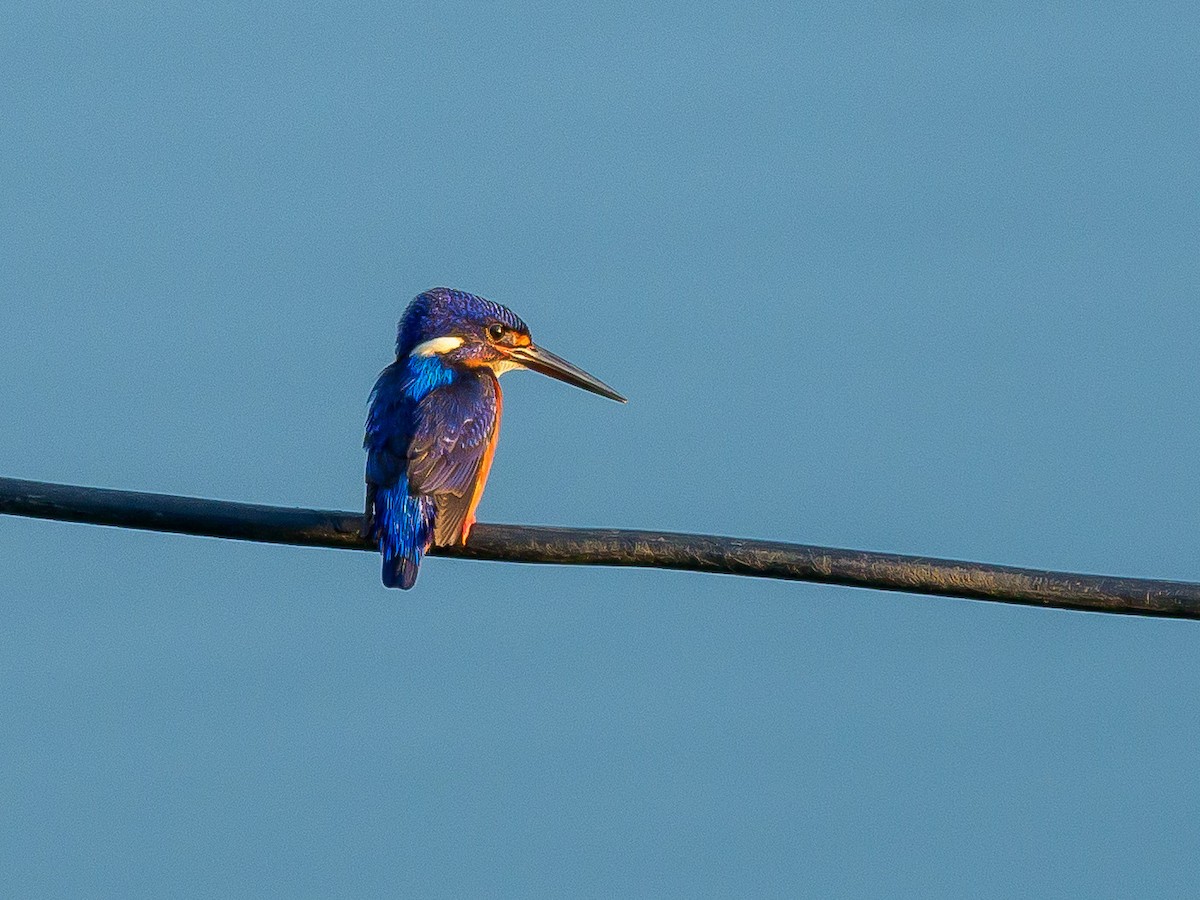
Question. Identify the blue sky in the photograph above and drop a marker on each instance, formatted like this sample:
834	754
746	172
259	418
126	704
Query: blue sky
892	276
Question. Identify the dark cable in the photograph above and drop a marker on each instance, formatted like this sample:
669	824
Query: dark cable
611	547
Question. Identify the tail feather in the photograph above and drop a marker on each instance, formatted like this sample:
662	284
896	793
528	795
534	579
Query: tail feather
400	572
403	527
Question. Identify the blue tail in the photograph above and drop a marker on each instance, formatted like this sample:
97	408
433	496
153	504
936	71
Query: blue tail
404	529
401	571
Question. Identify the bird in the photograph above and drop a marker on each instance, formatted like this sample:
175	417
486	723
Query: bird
433	419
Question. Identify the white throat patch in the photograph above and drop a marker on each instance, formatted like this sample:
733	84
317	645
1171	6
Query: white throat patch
504	365
437	346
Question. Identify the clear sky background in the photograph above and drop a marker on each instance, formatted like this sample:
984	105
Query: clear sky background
893	276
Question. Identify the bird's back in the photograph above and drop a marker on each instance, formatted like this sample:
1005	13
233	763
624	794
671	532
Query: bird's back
430	435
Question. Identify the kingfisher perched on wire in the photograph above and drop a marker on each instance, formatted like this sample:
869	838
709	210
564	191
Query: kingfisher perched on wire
434	418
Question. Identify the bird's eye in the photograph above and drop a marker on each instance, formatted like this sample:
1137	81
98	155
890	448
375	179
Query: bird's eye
497	331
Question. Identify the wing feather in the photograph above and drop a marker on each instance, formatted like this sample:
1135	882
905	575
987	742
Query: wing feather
454	427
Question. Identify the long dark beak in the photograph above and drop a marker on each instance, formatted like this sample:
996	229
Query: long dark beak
534	357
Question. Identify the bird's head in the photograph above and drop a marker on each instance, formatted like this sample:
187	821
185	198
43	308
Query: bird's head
463	330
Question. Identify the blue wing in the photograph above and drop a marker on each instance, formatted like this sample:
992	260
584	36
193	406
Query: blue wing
451	448
400	523
428	438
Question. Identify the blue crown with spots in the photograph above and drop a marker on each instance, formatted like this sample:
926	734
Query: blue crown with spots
444	312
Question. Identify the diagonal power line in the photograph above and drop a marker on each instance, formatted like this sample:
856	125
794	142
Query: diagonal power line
611	547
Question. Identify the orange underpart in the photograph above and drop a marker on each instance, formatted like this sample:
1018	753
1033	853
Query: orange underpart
485	466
